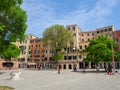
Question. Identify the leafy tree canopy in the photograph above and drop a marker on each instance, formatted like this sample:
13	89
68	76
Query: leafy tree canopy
100	50
57	37
12	21
57	56
11	51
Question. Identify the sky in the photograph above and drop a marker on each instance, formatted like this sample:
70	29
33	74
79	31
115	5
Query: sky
87	14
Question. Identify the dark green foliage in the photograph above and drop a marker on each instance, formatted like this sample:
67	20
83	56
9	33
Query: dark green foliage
100	50
10	51
13	22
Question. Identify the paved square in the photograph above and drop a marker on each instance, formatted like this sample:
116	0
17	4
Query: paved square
67	80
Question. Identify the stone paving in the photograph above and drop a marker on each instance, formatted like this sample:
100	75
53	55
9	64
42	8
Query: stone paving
67	80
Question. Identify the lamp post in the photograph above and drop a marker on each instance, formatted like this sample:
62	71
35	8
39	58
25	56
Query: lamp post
73	49
113	60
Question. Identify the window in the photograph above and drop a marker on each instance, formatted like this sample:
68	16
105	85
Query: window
102	31
22	52
82	34
65	57
73	28
74	57
22	47
92	34
18	59
68	50
88	34
80	47
98	31
88	39
68	28
29	52
110	29
65	49
46	51
51	58
37	46
80	56
37	40
69	57
105	30
85	46
31	41
22	59
45	58
83	40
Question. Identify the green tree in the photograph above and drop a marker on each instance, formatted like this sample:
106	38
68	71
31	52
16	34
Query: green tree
13	22
57	38
11	51
100	50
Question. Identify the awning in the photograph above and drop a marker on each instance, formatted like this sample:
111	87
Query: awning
31	64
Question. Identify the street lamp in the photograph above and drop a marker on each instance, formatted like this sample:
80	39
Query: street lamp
113	60
73	49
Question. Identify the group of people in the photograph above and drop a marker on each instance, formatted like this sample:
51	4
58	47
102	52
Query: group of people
108	70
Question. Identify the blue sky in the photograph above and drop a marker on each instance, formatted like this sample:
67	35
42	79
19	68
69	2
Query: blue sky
87	14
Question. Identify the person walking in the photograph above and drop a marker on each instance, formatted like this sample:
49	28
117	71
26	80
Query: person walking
109	70
75	68
97	68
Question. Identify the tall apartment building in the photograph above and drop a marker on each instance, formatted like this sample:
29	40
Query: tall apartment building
23	58
70	57
117	38
36	51
85	38
76	30
74	54
33	50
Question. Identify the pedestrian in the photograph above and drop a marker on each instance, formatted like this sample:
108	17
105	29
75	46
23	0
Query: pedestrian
109	70
74	68
97	68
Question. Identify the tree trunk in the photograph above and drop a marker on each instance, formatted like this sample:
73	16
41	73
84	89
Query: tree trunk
59	67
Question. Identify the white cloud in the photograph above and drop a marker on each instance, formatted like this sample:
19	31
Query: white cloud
43	14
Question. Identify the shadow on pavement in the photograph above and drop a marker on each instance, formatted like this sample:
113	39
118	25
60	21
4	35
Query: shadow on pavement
89	71
2	73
